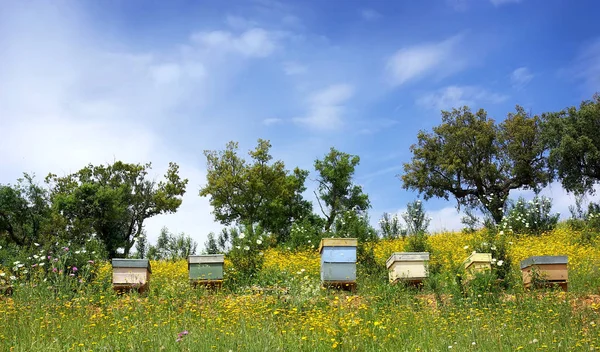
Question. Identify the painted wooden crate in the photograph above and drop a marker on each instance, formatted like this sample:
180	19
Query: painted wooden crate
546	270
131	274
408	266
338	260
477	263
208	267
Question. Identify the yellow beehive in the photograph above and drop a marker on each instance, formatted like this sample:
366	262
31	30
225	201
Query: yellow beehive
477	263
408	266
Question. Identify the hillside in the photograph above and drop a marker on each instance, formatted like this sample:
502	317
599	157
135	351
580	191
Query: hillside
303	316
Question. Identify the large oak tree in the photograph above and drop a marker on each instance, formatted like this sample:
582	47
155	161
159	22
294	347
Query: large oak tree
477	161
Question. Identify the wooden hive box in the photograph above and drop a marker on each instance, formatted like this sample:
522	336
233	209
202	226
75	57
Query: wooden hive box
550	270
338	261
131	274
477	263
206	269
408	266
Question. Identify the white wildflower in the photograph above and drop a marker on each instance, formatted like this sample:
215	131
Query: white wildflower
246	248
258	241
36	244
242	235
500	262
13	278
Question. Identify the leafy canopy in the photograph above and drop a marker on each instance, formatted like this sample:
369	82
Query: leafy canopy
114	200
477	161
573	138
257	192
336	188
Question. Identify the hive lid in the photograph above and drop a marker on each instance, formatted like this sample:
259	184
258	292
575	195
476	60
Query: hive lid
406	257
131	263
206	258
338	242
544	259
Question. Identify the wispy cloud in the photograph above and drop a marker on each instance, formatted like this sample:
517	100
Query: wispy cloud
458	96
326	107
587	65
272	121
370	14
415	62
504	2
292	68
458	5
520	77
255	42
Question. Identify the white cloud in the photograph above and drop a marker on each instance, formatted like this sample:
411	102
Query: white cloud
587	66
415	62
458	5
326	107
458	96
370	14
66	102
272	121
294	68
255	42
520	77
504	2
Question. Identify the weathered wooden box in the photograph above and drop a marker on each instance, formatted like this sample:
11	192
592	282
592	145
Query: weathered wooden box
477	263
131	274
408	266
545	271
338	260
206	268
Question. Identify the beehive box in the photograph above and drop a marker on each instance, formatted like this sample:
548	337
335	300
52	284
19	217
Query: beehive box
477	263
408	266
131	274
545	271
338	260
206	268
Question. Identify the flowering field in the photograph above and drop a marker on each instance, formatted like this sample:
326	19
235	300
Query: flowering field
47	314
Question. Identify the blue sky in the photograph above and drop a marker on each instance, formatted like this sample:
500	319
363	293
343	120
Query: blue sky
160	81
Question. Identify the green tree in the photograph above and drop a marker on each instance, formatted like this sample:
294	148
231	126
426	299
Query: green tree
257	193
172	247
416	218
24	211
113	201
477	161
336	188
141	246
574	142
390	226
211	246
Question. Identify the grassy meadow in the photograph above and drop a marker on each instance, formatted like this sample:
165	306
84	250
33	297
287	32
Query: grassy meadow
172	316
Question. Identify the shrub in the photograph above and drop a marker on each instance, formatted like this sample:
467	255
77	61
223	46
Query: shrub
391	226
530	218
416	218
306	233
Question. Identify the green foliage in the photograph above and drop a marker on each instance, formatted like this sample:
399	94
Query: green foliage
477	161
24	212
417	243
391	227
530	218
496	244
113	201
211	246
141	246
416	218
172	247
336	188
256	193
246	254
306	233
574	142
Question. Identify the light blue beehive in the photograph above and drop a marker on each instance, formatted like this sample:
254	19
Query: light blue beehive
338	260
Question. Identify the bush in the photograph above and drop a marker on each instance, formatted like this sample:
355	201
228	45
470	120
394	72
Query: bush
246	253
391	227
530	218
416	218
306	233
496	244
